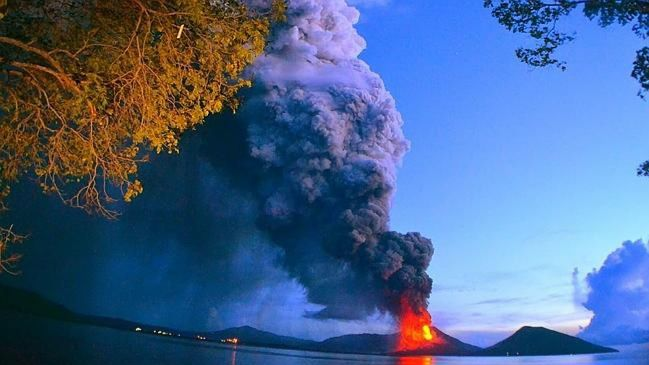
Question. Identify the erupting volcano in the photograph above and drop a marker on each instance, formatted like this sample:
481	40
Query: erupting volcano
415	328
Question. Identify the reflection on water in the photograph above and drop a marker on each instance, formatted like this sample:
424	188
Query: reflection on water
417	361
234	355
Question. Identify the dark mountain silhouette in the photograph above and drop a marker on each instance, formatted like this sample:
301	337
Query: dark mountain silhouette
23	301
247	335
362	343
526	341
19	300
537	341
385	344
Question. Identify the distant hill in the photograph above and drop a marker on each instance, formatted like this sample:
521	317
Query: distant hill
385	344
23	301
19	300
355	344
247	335
362	343
538	341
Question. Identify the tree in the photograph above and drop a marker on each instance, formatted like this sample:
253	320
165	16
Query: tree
88	89
8	260
539	19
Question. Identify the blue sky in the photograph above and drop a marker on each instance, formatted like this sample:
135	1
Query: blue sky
519	175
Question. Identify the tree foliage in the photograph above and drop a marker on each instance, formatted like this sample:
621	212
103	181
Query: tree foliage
89	88
8	259
539	19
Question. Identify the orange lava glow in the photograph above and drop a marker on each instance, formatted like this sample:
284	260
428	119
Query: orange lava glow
427	360
415	326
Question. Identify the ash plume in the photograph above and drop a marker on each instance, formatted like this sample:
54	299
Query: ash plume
289	198
327	138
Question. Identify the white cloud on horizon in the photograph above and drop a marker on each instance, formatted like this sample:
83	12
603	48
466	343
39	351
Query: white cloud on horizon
619	297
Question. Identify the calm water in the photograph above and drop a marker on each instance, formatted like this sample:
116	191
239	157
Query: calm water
35	341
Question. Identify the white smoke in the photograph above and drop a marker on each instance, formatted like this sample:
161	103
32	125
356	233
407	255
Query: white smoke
328	138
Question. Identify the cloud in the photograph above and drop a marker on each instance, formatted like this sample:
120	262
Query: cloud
619	297
578	296
520	300
499	301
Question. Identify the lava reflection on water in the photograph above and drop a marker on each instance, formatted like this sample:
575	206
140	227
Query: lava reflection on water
422	360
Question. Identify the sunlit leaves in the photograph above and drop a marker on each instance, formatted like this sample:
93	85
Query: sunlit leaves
90	88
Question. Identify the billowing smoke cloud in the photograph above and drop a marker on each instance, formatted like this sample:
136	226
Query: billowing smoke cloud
328	139
619	297
281	210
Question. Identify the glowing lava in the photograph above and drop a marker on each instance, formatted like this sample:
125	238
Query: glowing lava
417	360
416	332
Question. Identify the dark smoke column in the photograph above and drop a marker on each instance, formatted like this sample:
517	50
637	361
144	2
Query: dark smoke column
328	140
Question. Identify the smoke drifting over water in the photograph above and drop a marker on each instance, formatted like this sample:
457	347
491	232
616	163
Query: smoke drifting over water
290	199
328	138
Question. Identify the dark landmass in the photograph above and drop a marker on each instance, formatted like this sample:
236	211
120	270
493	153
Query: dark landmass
385	344
537	341
251	336
366	343
19	300
23	301
526	341
371	344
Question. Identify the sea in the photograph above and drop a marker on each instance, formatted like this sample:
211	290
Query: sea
31	340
